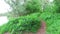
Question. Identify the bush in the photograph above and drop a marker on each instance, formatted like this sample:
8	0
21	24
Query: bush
29	23
33	6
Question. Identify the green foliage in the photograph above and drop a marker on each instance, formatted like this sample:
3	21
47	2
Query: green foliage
57	3
46	15
29	23
18	9
50	7
33	6
53	24
28	7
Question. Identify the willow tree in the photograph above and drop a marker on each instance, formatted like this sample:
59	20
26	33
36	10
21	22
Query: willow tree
24	7
17	7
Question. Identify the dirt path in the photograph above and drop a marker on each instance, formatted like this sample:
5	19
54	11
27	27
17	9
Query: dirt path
42	30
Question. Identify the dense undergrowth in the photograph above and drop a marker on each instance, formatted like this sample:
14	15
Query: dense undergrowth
52	22
29	23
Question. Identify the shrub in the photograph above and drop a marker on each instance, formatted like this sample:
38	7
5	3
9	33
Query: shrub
29	23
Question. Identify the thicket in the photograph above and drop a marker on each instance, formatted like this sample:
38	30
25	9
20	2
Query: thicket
29	23
29	15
